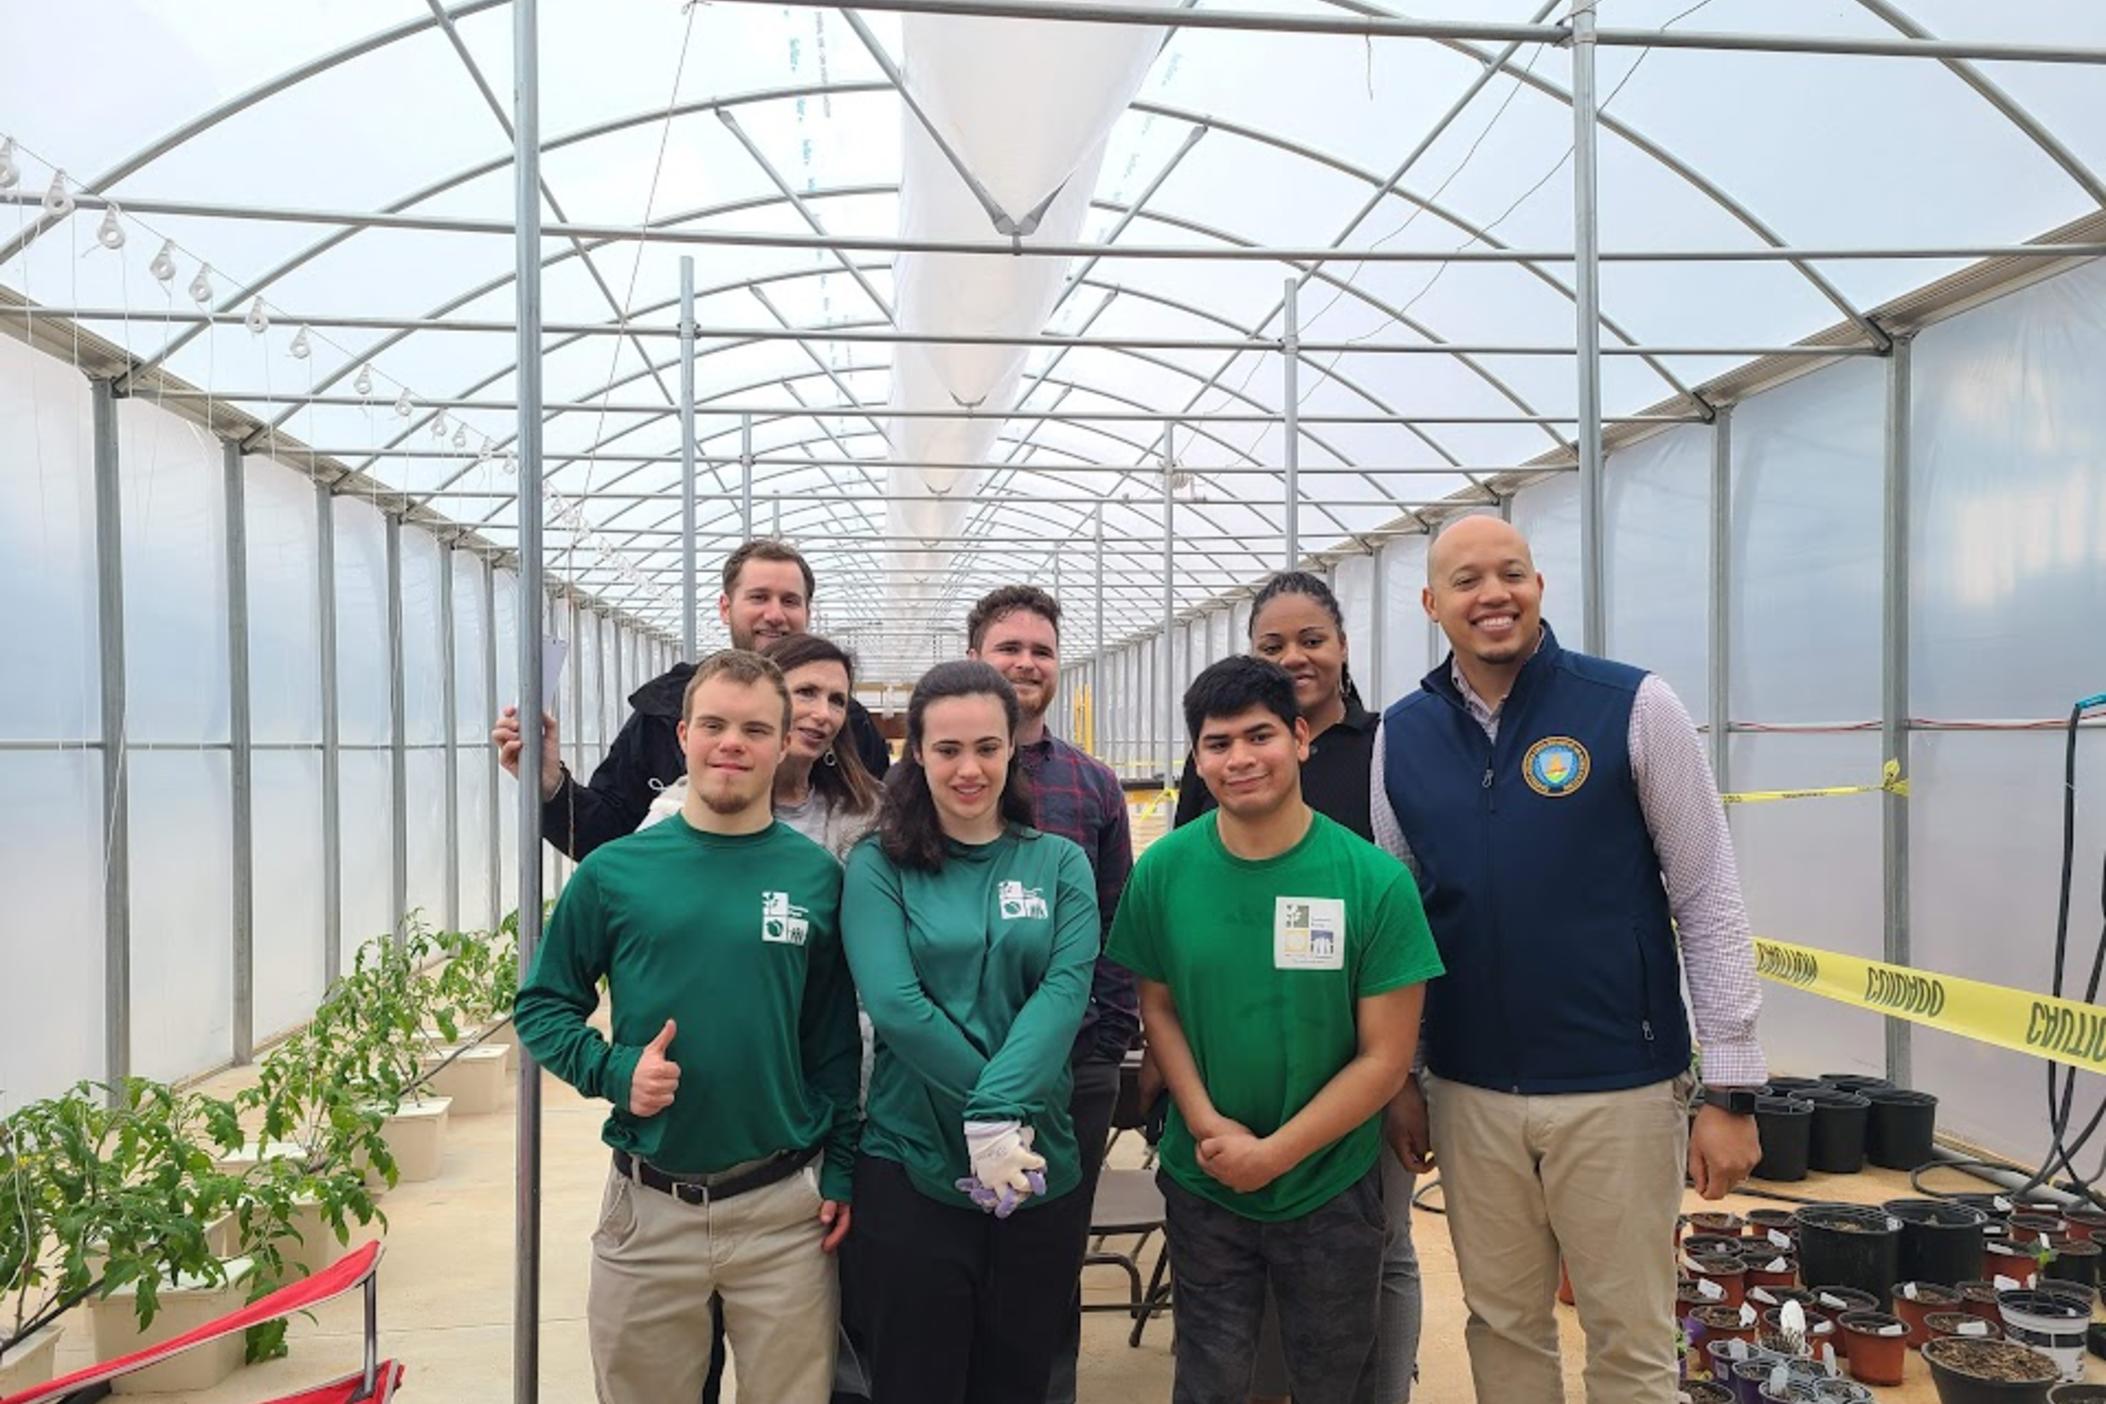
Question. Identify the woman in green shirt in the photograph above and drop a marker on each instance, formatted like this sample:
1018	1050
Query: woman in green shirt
972	936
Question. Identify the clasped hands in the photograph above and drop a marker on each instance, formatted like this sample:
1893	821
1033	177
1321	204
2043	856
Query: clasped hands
1006	1171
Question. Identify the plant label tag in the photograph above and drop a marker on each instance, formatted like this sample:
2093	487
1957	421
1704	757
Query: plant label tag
1779	1239
1747	1314
1308	933
1897	1329
553	652
1775	1265
2006	1284
1830	1299
1908	1289
1893	1224
1762	1294
1707	1288
2003	1205
1974	1328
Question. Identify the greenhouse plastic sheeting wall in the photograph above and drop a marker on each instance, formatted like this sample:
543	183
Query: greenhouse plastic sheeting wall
1658	522
51	840
1354	585
175	639
1405	657
285	707
473	712
365	793
1548	514
506	602
2007	593
424	725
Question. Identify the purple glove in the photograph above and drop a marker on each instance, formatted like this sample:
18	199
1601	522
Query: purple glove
1004	1203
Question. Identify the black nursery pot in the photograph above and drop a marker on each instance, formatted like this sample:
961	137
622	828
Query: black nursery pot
1793	1086
1786	1127
1850	1245
1836	1141
1853	1082
1898	1130
1957	1367
2075	1261
1941	1241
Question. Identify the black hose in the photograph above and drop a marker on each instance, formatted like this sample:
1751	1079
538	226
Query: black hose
2062	1150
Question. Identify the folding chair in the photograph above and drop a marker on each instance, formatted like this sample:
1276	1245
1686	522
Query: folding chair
1128	1205
374	1384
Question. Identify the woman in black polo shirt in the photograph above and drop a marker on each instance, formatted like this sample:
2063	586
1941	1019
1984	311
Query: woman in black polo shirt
1296	622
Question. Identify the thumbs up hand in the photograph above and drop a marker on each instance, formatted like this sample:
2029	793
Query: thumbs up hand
657	1077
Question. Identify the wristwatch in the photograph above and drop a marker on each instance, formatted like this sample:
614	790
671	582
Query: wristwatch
1735	1101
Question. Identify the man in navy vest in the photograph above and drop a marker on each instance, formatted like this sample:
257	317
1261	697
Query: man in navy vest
1574	859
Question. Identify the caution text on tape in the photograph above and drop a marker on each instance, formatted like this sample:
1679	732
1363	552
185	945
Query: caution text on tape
1890	782
2064	1030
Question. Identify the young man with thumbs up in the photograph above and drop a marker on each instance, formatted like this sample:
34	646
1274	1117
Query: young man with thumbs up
717	933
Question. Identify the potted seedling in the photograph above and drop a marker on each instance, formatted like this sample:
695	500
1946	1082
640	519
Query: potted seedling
1879	1346
32	1280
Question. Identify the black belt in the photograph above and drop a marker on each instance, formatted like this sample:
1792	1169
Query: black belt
706	1189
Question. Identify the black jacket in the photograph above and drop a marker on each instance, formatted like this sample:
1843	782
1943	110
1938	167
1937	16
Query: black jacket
1334	778
645	757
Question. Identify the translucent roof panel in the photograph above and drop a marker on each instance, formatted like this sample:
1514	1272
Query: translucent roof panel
245	145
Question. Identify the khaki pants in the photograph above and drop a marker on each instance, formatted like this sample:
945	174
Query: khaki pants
1594	1176
655	1262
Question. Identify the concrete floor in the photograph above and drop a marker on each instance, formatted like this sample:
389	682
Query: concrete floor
446	1285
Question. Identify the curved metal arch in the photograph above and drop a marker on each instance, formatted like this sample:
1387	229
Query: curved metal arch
1970	73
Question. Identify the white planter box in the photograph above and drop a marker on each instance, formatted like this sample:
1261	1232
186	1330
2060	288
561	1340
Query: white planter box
185	1305
475	1081
241	1161
29	1363
502	1035
317	1247
416	1136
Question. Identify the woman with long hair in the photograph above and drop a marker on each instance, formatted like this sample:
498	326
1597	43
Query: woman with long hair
822	789
972	937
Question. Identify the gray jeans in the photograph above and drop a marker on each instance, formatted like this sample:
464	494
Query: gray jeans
1396	1365
1323	1270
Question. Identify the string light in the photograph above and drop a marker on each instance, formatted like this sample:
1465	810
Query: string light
58	201
201	285
163	266
364	384
403	405
258	320
110	233
438	425
460	437
10	173
300	348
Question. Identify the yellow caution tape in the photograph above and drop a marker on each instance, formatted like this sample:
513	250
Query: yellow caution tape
1890	782
1161	798
2061	1030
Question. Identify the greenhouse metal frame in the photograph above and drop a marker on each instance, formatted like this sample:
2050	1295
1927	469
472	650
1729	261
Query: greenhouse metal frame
1161	600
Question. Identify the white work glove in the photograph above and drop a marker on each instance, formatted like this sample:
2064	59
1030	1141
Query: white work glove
1004	1164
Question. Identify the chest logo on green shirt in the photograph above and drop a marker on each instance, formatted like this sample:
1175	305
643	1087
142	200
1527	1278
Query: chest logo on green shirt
1308	933
1019	901
781	921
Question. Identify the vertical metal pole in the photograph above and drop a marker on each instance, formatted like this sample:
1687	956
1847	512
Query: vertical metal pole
690	603
1098	692
577	690
332	739
1171	770
599	678
116	755
494	825
240	750
1587	300
775	515
1377	626
398	754
526	1168
1721	642
1291	452
1894	690
621	646
746	475
449	702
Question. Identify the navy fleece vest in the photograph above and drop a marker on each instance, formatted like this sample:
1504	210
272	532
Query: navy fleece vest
1540	881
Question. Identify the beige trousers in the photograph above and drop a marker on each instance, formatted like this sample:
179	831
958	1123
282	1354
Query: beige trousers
655	1262
1595	1177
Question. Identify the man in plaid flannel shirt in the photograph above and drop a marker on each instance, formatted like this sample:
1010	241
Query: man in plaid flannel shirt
1017	630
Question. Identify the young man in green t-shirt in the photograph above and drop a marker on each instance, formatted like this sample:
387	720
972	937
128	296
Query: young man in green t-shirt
1282	962
733	1067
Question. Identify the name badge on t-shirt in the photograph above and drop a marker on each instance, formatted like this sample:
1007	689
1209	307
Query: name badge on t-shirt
1308	933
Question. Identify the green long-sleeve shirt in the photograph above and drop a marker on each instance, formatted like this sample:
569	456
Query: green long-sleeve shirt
737	940
975	978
